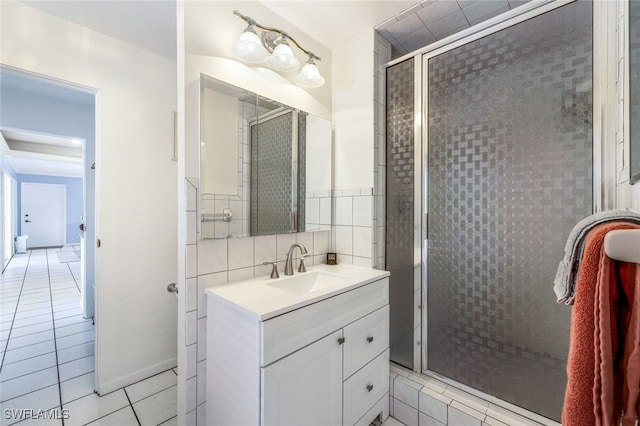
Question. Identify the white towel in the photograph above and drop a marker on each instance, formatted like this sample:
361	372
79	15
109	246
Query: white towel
564	285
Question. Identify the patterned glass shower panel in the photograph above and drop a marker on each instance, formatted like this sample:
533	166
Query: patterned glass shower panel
400	207
634	88
510	173
270	201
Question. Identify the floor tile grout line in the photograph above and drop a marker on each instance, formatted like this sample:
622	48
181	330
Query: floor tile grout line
131	405
22	326
76	359
31	357
49	340
24	277
55	343
31	391
74	278
155	393
26	374
31	344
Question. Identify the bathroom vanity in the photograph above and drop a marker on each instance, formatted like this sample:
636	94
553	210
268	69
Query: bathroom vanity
307	349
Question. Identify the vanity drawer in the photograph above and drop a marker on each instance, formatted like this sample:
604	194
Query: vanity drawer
291	331
362	390
365	339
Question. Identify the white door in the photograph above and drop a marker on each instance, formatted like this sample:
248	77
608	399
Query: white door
43	214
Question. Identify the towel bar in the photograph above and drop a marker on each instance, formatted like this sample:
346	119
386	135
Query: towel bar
623	244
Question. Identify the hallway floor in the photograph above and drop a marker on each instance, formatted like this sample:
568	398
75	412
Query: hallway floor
47	353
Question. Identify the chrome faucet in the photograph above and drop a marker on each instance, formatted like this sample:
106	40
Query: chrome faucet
288	266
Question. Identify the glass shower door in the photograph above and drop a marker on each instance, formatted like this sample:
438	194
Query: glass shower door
509	173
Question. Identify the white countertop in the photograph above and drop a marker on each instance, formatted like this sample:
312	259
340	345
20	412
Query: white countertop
263	301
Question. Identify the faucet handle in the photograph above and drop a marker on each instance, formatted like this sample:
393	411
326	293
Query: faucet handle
301	268
274	271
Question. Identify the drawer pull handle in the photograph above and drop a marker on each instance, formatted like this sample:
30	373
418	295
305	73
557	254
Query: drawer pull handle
370	339
340	340
369	388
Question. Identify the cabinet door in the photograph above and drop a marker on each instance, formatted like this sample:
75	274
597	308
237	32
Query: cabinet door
305	388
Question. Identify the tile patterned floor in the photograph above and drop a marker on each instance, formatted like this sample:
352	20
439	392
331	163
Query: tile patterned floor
47	354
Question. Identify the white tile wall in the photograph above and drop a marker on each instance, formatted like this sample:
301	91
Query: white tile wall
440	404
344	210
191	294
212	262
344	240
283	243
265	249
382	55
354	228
464	416
241	253
424	420
434	404
212	256
362	241
405	413
406	391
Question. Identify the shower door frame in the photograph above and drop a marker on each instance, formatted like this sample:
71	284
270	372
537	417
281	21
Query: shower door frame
606	16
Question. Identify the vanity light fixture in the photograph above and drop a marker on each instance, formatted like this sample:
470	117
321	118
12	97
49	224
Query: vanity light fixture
273	48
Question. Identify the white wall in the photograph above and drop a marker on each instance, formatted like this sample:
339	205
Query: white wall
352	108
136	183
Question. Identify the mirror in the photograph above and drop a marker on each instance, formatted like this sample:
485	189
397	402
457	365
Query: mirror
264	167
634	90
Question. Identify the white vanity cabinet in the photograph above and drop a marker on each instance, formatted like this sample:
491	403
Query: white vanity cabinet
325	363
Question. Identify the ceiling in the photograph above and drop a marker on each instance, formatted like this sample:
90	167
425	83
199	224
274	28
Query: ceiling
149	24
407	24
40	154
432	20
332	22
37	153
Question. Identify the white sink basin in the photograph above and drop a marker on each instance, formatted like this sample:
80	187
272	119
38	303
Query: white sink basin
308	282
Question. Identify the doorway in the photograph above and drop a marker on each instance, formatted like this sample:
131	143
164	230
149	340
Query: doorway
43	214
48	152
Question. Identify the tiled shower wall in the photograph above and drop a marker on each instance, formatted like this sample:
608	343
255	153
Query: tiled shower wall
382	55
219	261
359	213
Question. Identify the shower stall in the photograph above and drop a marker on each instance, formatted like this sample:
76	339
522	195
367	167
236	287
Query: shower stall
491	159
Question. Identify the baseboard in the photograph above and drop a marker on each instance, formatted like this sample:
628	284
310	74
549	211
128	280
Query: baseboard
129	379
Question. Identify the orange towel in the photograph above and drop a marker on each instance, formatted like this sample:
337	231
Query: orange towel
599	323
631	358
